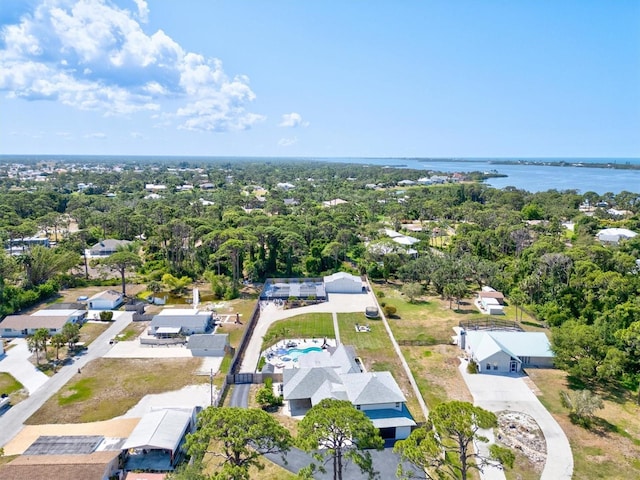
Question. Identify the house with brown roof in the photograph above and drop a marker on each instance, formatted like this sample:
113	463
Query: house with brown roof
101	465
23	325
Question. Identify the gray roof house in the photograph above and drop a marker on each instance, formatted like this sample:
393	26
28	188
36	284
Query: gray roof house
185	321
107	247
209	345
338	375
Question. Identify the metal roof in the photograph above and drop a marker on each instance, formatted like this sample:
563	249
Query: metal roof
162	429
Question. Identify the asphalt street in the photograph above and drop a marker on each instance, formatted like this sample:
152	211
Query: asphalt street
13	419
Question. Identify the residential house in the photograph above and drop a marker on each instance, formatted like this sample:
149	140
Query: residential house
338	375
505	351
102	465
107	300
180	321
615	235
343	282
23	325
105	248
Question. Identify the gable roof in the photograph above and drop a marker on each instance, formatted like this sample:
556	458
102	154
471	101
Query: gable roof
516	344
300	383
107	295
21	322
342	275
94	465
161	429
214	342
372	387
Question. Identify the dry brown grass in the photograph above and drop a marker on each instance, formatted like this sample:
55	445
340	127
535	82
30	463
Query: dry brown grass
610	449
108	387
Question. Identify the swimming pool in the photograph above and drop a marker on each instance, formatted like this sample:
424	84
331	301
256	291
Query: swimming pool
294	353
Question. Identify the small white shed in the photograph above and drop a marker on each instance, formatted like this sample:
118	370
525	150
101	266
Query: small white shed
343	282
107	300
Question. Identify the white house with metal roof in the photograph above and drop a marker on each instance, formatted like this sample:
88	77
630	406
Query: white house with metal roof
615	235
156	442
506	351
343	282
338	375
107	300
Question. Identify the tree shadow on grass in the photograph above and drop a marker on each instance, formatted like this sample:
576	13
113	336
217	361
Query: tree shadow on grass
612	392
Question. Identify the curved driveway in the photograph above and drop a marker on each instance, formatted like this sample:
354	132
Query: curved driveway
497	392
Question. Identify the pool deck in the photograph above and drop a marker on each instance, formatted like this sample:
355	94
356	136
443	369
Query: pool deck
280	361
271	312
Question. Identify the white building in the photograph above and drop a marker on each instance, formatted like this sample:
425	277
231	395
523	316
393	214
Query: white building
615	235
107	300
506	351
343	282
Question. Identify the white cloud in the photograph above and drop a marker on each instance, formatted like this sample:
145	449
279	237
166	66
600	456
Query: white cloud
136	135
287	142
93	55
143	10
292	120
98	135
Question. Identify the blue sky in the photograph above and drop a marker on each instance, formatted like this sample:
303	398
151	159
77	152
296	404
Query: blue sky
320	78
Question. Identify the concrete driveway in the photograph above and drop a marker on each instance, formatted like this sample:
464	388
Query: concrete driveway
500	392
12	421
270	313
16	362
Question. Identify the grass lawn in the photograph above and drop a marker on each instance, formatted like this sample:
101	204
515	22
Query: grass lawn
377	353
90	331
611	448
8	384
132	331
108	387
308	325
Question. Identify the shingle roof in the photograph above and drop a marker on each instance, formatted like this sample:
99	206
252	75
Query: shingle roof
20	322
213	342
107	295
372	387
89	466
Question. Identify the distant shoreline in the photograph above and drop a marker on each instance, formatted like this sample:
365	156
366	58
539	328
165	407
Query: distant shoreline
546	163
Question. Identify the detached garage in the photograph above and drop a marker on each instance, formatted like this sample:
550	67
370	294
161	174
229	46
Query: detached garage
107	300
215	345
343	282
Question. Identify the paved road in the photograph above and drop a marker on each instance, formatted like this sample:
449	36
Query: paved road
385	462
240	395
500	392
16	362
13	419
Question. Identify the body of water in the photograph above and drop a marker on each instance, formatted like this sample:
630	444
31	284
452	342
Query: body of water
534	177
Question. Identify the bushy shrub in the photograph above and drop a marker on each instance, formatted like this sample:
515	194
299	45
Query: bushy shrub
380	294
106	316
390	310
472	367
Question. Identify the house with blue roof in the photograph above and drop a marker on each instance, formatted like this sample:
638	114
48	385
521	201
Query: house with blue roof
506	351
